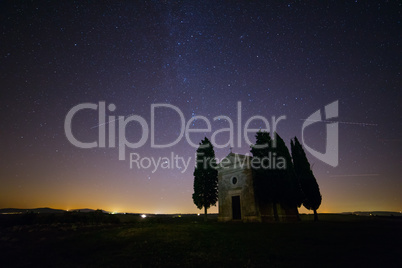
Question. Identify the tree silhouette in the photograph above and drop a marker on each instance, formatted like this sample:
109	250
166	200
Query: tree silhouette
293	195
267	186
205	177
276	184
308	183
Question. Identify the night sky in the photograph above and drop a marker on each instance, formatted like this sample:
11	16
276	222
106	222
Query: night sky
285	58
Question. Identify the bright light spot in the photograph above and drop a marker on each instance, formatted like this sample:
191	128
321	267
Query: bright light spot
143	216
114	212
198	214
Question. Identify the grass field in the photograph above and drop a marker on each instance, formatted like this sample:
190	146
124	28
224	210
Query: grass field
335	241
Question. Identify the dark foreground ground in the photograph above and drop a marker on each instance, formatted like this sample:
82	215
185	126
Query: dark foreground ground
335	241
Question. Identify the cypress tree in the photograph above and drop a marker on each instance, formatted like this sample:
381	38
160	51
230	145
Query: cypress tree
308	183
205	177
266	184
277	184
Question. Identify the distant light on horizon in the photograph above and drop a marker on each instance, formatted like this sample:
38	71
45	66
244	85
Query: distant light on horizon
143	216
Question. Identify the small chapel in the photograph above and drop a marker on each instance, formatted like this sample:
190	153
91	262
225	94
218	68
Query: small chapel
237	201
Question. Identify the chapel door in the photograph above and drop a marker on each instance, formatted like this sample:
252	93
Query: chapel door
236	211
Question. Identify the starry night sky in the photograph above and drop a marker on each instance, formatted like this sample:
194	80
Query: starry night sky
283	58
